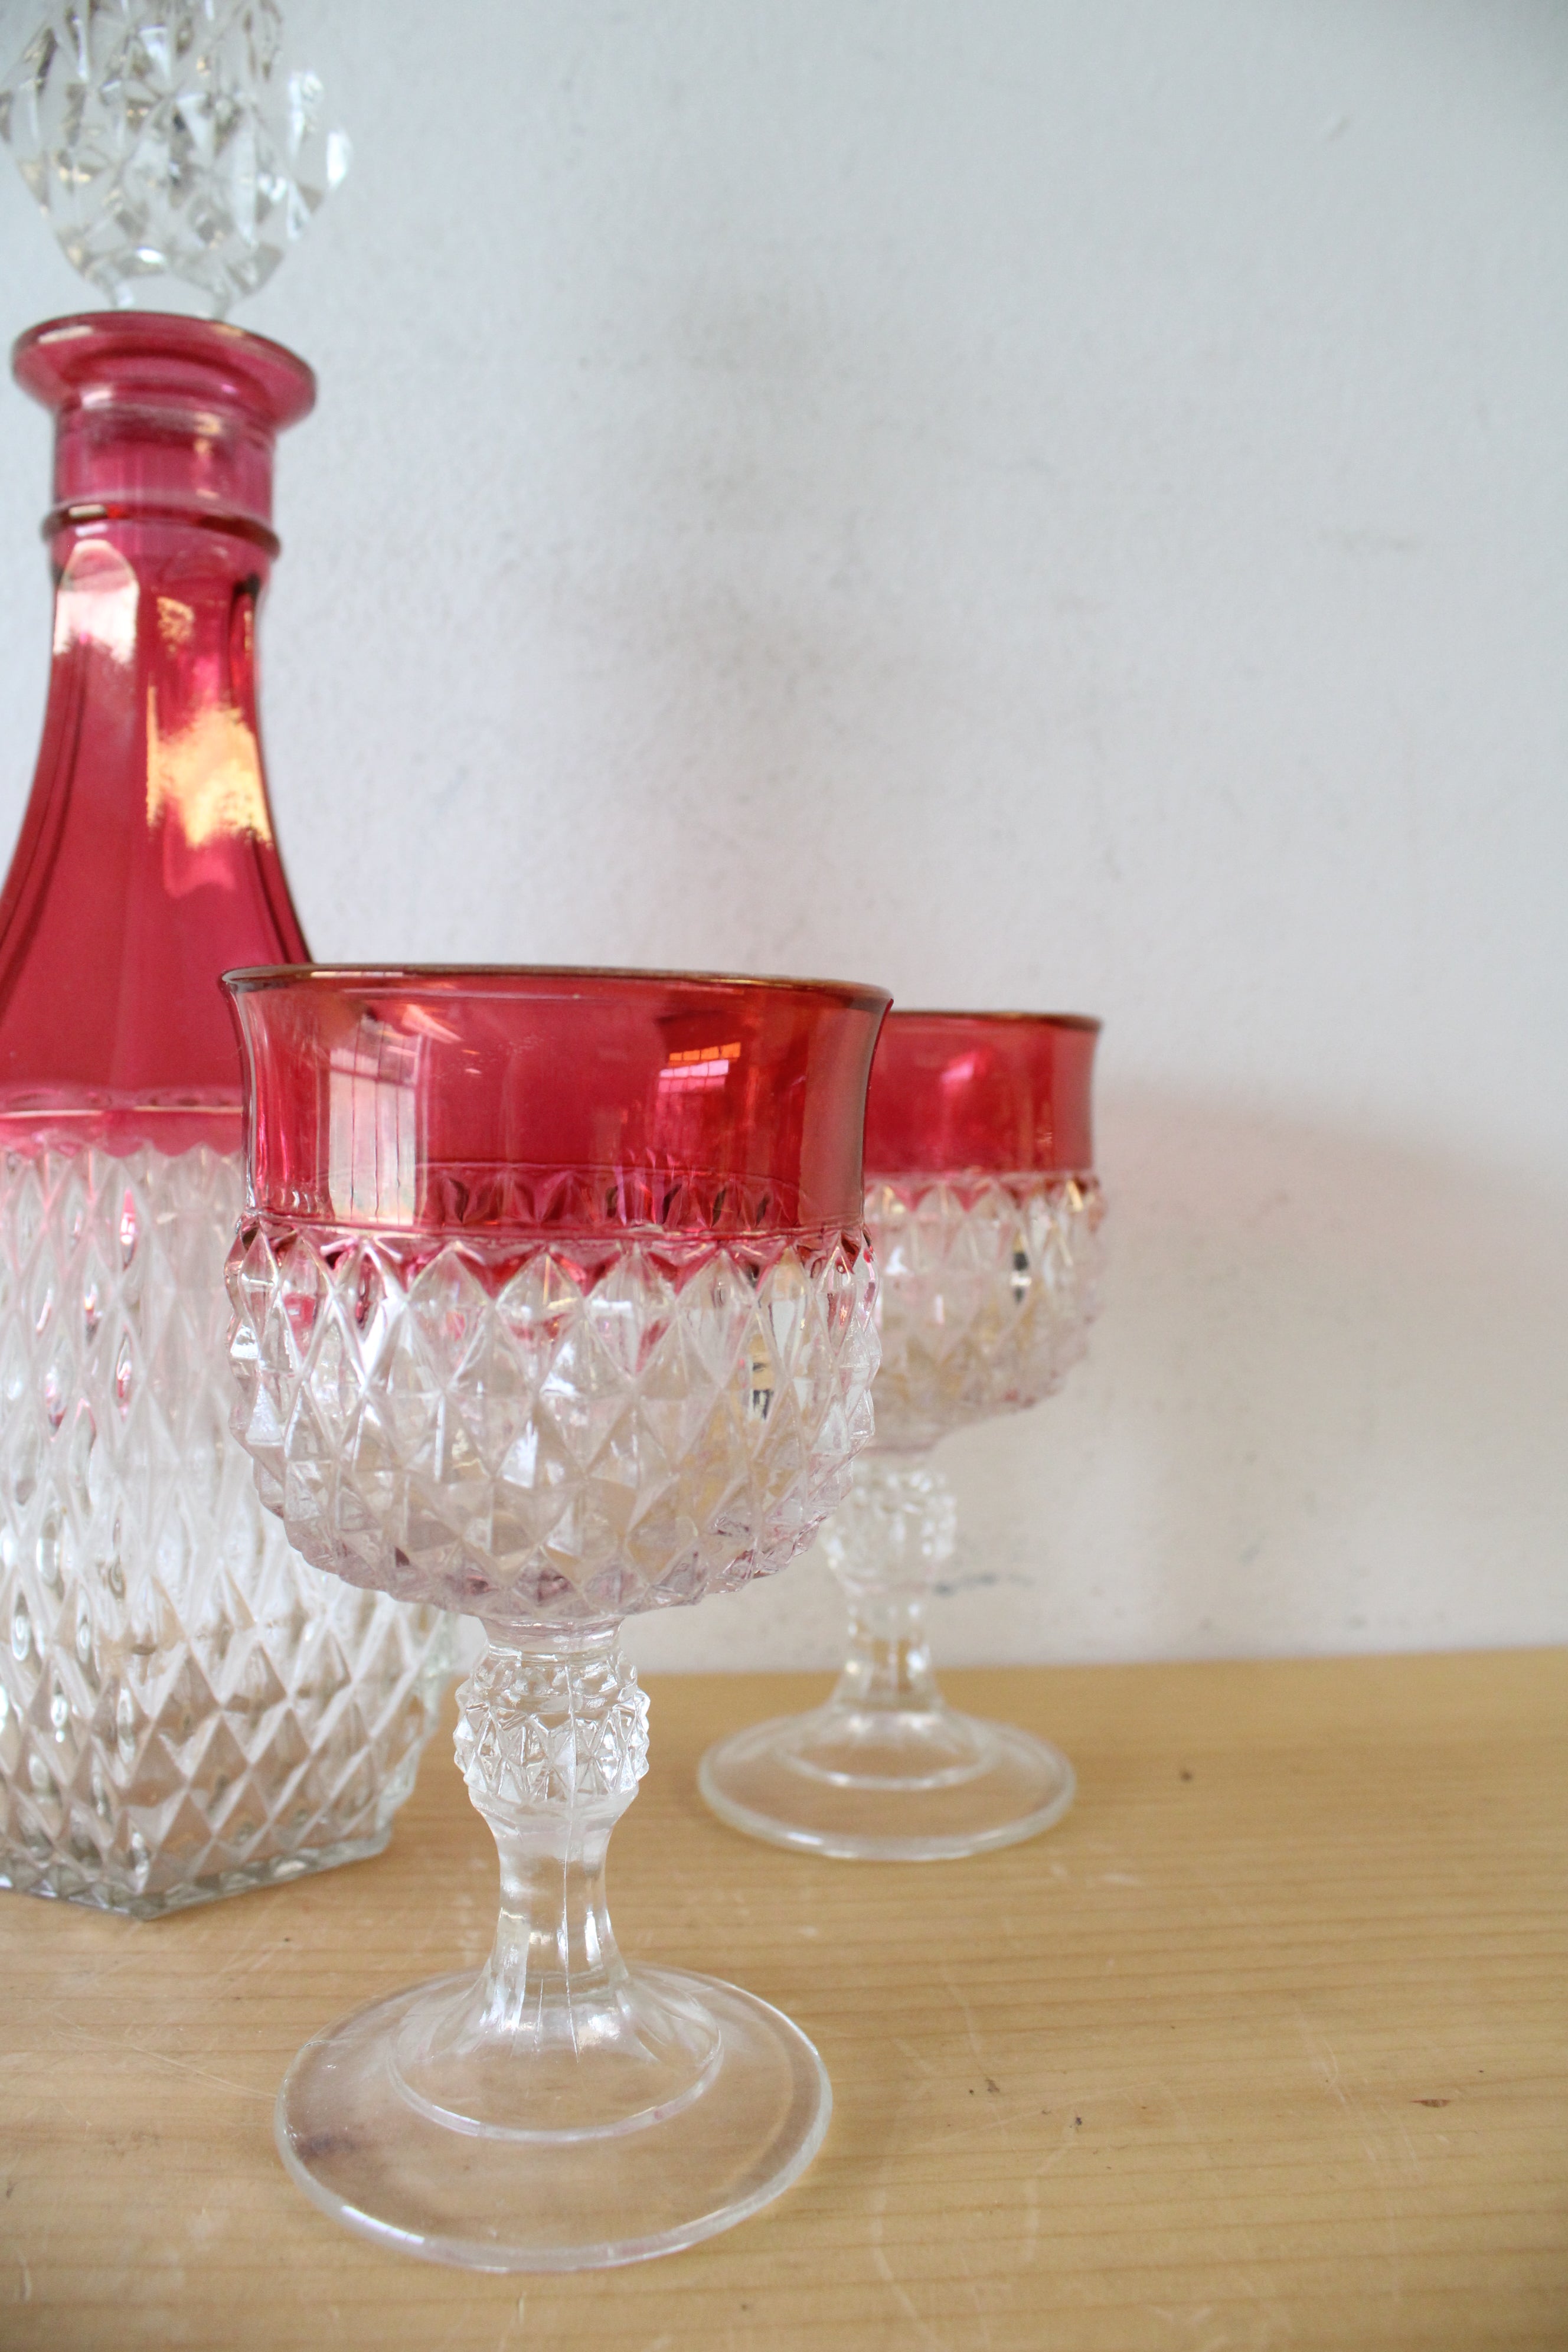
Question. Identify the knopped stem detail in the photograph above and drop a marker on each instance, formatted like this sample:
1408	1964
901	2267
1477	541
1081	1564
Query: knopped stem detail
556	2038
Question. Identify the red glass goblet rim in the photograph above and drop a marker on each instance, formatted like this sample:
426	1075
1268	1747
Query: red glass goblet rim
982	1093
511	1100
554	980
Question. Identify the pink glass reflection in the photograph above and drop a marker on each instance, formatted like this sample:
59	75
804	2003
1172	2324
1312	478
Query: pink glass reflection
513	1102
147	861
982	1093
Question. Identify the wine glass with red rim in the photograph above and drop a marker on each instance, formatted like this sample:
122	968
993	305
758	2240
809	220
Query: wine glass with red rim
984	1214
553	1304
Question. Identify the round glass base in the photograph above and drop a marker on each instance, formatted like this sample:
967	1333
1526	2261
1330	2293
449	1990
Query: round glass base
557	2184
886	1785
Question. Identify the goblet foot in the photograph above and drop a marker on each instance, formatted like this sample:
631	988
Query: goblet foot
558	2111
925	1784
685	2108
887	1770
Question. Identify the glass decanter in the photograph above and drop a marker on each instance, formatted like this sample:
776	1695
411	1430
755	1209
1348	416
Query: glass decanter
552	1304
984	1213
186	1709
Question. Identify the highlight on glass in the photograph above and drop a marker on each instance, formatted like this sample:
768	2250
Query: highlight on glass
187	1709
984	1215
553	1303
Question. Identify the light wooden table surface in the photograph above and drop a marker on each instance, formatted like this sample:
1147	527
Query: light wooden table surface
1264	2047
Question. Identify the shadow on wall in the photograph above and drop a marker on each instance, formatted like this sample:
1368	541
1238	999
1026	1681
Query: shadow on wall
1323	1410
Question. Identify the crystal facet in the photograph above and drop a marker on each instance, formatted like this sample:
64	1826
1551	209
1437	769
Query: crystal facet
568	1440
551	1730
186	1708
987	1287
168	139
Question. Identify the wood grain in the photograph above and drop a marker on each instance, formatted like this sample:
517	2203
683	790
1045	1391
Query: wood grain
1263	2047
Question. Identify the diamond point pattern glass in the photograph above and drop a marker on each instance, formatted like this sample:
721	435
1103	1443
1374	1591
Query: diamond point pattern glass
552	1303
186	1708
554	1441
984	1217
167	140
987	1288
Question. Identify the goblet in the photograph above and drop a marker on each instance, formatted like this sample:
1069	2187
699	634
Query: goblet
984	1213
552	1303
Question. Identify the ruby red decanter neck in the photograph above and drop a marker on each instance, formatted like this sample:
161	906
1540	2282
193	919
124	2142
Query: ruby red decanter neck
147	862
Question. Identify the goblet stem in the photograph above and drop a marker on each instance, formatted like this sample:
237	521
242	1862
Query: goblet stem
555	2035
887	1770
889	1664
885	1546
552	1741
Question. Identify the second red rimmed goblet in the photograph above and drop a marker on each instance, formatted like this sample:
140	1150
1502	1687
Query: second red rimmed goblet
552	1304
983	1212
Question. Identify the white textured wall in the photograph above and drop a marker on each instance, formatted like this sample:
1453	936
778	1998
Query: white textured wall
1039	504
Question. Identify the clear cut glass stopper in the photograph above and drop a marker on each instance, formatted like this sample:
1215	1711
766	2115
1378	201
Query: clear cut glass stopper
169	140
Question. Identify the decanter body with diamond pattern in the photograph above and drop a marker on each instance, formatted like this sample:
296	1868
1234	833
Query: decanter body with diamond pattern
186	1708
